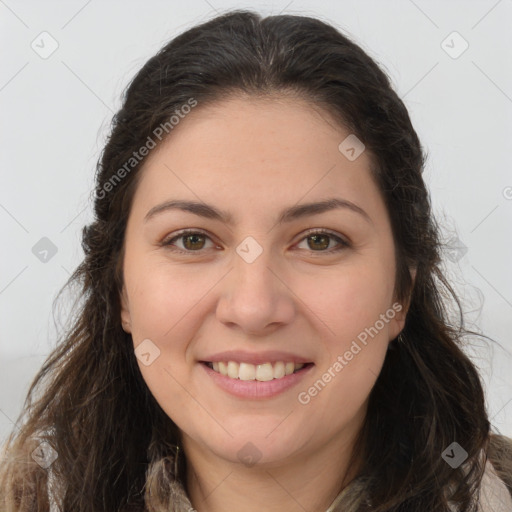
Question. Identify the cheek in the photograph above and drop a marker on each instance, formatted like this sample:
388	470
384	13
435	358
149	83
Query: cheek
164	303
161	296
349	304
348	300
355	341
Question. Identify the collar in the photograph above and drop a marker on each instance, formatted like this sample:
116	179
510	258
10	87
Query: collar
181	502
494	496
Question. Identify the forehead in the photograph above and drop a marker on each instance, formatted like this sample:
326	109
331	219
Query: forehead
259	129
259	152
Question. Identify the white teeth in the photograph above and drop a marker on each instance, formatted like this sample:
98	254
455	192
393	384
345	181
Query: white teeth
232	370
245	372
279	370
261	372
264	372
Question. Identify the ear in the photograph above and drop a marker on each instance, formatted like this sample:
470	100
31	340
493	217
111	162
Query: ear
401	309
126	320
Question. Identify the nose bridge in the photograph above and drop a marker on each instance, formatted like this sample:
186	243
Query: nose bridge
253	278
254	297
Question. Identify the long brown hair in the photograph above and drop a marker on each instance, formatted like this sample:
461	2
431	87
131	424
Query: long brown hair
89	401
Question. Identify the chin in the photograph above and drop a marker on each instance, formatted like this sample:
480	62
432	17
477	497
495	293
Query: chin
262	450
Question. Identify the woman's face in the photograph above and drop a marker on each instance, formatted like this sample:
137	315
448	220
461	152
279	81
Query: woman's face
266	282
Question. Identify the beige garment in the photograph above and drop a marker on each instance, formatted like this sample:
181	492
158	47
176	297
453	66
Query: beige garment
494	496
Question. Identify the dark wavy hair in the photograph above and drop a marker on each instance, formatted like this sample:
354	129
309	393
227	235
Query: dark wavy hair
89	400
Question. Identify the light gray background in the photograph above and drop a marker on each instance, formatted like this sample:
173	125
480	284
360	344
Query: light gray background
55	114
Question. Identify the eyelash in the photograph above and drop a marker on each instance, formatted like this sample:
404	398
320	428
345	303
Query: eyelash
168	242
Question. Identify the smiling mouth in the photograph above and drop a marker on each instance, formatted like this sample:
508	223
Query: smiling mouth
260	372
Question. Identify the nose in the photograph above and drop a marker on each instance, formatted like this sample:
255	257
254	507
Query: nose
255	297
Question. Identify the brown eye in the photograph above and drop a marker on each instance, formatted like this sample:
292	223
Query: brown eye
193	242
318	242
187	242
322	241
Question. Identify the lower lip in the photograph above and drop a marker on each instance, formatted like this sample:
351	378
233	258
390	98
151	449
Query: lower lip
255	389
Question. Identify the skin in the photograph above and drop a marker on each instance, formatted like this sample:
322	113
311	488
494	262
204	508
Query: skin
254	157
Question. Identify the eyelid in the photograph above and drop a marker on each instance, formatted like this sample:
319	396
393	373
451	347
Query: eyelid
325	231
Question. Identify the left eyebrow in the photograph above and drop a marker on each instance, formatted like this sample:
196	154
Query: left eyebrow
303	210
288	215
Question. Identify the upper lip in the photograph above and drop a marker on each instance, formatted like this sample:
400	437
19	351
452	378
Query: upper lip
241	356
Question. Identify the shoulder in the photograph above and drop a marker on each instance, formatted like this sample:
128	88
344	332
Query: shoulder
494	495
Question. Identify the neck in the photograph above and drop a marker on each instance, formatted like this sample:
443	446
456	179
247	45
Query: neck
309	481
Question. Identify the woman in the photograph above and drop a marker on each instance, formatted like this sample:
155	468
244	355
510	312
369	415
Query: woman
264	323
